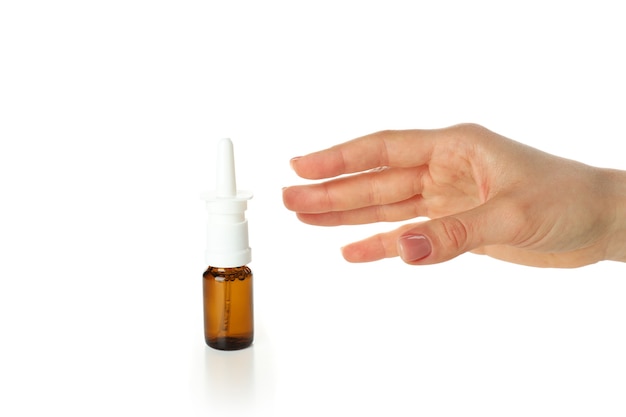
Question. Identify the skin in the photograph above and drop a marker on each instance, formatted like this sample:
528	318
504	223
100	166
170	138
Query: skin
481	192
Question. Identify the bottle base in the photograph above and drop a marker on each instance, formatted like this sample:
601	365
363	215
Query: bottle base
229	343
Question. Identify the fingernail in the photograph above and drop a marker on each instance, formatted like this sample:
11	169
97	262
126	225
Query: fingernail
413	247
292	160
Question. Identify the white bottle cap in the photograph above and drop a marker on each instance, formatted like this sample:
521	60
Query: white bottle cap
227	227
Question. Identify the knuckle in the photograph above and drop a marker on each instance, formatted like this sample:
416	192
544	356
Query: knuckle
455	233
469	128
380	213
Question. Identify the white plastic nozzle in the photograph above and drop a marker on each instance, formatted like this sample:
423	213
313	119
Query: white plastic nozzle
226	181
227	227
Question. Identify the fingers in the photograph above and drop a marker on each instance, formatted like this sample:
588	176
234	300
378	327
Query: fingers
355	192
440	239
402	210
400	148
396	194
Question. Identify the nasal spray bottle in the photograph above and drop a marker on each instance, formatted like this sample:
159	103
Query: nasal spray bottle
227	282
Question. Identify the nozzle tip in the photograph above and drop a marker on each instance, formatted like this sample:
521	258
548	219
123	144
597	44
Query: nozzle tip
226	182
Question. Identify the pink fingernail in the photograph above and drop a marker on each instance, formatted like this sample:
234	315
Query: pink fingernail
414	247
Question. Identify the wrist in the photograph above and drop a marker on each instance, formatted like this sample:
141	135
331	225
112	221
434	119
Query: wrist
616	243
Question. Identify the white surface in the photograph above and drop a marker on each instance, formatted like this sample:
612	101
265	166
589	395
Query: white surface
108	115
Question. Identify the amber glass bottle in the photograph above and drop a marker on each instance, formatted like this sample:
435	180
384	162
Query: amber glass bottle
228	308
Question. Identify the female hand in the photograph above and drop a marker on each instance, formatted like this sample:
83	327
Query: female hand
483	193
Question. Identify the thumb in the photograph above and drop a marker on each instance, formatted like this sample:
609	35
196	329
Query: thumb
447	237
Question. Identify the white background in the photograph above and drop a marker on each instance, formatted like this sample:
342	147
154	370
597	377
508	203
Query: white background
109	114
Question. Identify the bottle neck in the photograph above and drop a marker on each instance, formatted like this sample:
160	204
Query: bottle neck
239	272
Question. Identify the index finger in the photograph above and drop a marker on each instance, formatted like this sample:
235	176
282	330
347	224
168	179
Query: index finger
393	148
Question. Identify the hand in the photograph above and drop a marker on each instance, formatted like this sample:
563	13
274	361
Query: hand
484	193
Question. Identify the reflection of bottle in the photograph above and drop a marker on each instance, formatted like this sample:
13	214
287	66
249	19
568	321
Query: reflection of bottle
227	282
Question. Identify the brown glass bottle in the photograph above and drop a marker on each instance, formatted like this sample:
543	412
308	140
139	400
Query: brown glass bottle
228	309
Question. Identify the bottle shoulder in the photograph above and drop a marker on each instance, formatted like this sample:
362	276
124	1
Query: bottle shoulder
239	272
